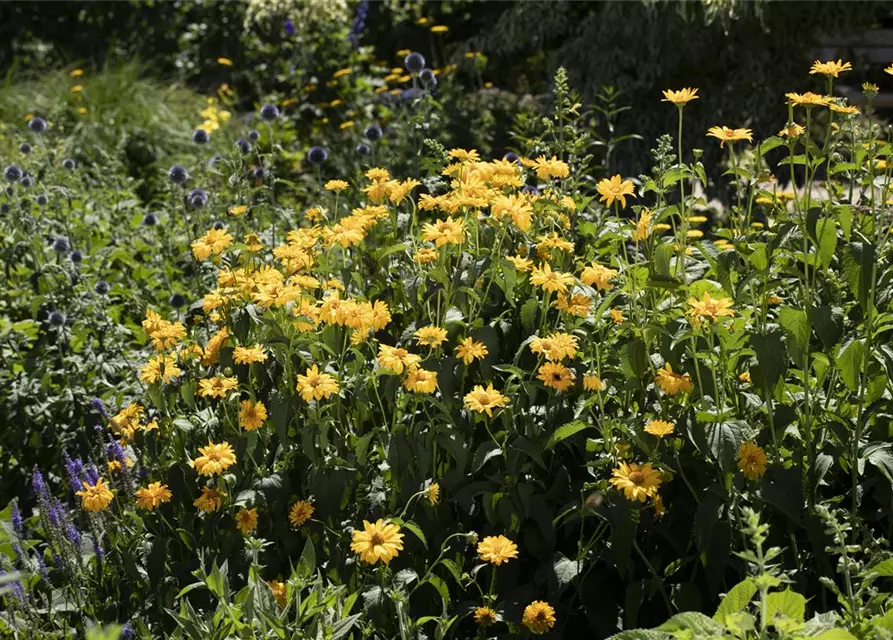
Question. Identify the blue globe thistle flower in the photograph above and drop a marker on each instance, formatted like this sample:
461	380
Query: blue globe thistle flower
76	256
414	62
200	136
254	135
259	173
37	124
27	181
213	161
178	175
363	149
197	198
61	245
269	112
317	155
530	189
289	27
12	173
150	219
102	287
69	164
57	318
511	156
41	199
25	148
219	226
428	78
243	145
4	209
359	23
177	300
372	133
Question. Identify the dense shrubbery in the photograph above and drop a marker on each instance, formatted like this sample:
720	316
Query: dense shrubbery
316	372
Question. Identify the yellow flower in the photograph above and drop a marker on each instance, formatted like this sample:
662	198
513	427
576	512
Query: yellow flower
443	232
77	88
672	383
659	428
211	500
792	130
469	350
420	380
433	493
497	550
300	513
279	591
597	275
431	336
346	125
341	73
216	387
751	460
484	616
161	367
725	134
616	316
615	189
637	482
252	242
238	210
550	168
246	520
336	185
213	242
549	280
484	400
396	359
215	458
440	28
539	617
709	308
556	376
745	377
577	305
313	385
424	256
252	415
380	541
248	355
95	497
556	347
808	99
592	382
152	496
520	264
844	109
830	69
226	62
643	226
76	73
682	97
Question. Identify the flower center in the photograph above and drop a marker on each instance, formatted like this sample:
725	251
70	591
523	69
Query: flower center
376	539
637	478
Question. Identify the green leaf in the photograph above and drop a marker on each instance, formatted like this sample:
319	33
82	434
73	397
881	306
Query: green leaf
412	527
835	634
634	359
858	263
769	144
849	363
771	359
796	328
827	322
307	563
787	603
485	451
639	634
565	570
724	439
736	599
215	581
884	568
697	623
528	314
342	627
566	431
826	240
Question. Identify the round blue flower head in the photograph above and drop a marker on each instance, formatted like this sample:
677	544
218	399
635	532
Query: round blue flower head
254	135
57	318
219	226
177	300
37	124
363	149
178	174
317	155
289	27
197	198
25	148
150	219
200	136
259	173
243	145
102	288
428	78
530	189
12	173
69	164
42	199
60	245
372	133
511	156
213	161
76	256
269	112
414	62
27	181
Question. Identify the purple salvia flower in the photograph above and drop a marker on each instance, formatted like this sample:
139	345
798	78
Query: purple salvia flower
16	518
74	537
92	475
53	513
76	472
39	486
99	407
114	451
98	550
18	551
42	567
127	632
59	562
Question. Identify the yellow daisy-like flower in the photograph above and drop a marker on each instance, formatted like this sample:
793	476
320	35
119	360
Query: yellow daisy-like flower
470	350
336	185
226	62
444	232
830	69
681	97
252	415
76	73
424	256
248	355
212	243
539	617
550	281
396	359
484	616
246	520
279	591
210	501
744	377
431	336
725	134
615	189
238	210
808	99
555	347
672	383
216	387
637	482
752	460
433	493
161	367
215	458
497	550
77	88
792	130
520	264
152	496
439	28
549	168
313	385
300	513
556	376
643	226
596	274
484	400
420	380
616	316
96	497
846	110
381	541
659	428
708	308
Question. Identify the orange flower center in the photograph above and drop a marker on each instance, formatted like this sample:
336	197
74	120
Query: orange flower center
376	539
637	478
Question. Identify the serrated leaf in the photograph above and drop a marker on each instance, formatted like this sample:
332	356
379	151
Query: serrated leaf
566	431
736	599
